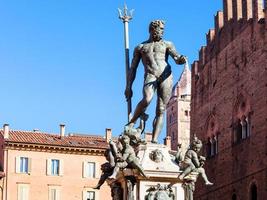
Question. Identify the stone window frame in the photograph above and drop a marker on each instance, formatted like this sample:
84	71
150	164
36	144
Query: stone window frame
250	190
242	128
54	192
91	190
241	124
234	196
60	166
85	169
23	191
212	145
19	169
212	130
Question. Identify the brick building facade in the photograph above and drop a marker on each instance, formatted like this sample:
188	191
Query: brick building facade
44	166
229	103
178	111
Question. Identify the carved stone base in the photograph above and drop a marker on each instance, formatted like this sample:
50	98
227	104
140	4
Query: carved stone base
162	172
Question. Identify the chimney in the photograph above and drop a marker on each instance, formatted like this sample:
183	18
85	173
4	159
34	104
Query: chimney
6	131
108	134
148	136
62	130
168	141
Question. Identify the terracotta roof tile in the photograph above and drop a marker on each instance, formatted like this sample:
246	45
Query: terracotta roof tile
77	141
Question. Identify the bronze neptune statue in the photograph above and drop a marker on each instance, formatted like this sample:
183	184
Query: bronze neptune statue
154	54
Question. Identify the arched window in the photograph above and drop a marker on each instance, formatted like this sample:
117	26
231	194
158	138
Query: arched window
242	128
234	197
238	130
244	125
242	118
248	125
209	148
253	192
215	145
212	146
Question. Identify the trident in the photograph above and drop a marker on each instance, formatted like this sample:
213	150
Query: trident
125	17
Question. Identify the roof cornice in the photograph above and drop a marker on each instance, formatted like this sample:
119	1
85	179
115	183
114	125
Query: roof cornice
52	148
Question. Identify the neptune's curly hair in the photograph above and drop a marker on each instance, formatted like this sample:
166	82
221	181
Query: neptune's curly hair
156	24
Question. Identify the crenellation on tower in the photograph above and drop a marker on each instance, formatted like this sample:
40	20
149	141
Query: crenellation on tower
202	55
257	9
237	10
195	77
247	9
210	36
236	17
219	21
227	10
195	66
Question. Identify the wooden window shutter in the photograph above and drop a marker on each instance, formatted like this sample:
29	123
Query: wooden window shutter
97	170
61	167
29	165
17	165
57	194
85	169
84	195
48	167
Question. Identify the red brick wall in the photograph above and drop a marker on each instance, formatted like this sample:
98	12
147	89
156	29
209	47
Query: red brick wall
233	68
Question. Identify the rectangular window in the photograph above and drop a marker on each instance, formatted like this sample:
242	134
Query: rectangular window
55	167
89	170
90	195
54	193
24	165
23	191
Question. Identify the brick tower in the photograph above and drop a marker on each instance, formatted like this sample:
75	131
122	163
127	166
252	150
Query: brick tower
178	111
229	102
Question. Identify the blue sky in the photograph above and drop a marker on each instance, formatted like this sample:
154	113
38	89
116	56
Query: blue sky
63	61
